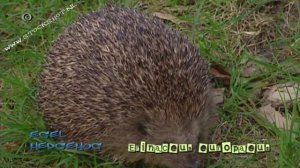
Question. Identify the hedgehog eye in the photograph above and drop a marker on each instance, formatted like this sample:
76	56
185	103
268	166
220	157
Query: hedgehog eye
142	128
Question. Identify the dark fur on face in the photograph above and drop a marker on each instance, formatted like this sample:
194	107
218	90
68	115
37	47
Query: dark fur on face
119	76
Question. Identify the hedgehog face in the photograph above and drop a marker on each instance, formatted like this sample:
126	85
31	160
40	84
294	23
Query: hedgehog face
188	131
185	123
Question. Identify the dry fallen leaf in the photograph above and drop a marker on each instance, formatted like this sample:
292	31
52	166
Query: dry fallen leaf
278	94
254	33
220	73
249	69
274	116
12	146
218	94
294	70
168	17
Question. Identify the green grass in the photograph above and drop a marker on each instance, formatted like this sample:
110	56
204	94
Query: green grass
220	28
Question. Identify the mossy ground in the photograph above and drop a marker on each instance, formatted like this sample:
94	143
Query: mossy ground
227	32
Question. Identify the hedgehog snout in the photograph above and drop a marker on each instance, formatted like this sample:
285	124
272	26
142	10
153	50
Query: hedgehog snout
196	165
195	160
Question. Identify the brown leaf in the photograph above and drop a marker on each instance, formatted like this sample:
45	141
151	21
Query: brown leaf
278	94
249	69
294	70
220	73
168	17
253	33
274	116
12	146
218	94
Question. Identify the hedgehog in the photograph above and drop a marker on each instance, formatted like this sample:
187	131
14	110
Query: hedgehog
120	76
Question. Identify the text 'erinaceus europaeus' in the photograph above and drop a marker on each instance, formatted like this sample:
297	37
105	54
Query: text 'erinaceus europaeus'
118	76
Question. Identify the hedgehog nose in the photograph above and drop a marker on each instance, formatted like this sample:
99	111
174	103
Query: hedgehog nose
194	160
196	165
